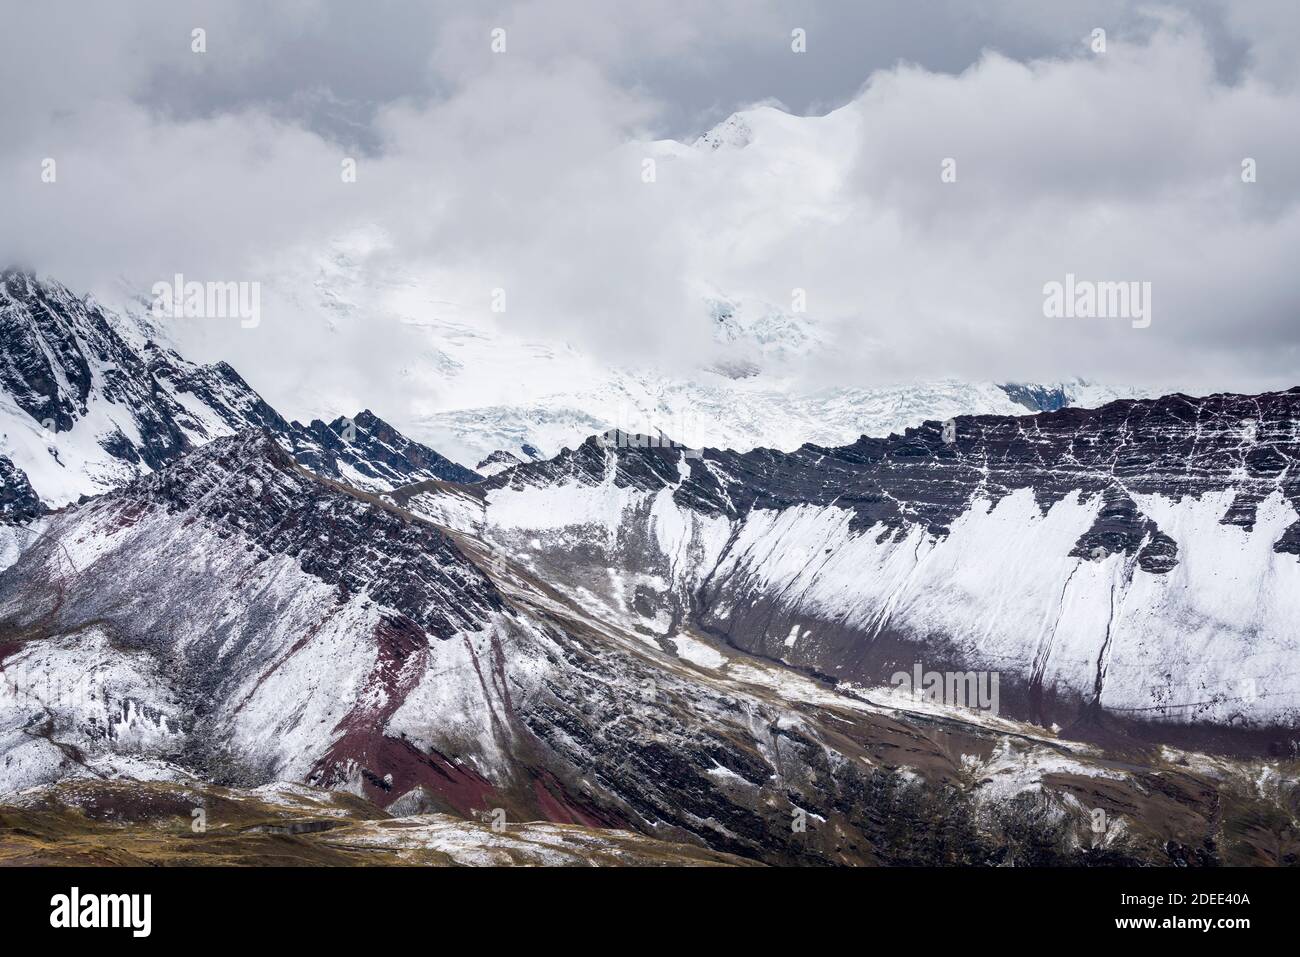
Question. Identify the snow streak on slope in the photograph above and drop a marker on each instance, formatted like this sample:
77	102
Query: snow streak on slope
1000	592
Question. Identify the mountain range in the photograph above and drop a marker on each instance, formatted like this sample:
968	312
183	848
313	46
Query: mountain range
697	645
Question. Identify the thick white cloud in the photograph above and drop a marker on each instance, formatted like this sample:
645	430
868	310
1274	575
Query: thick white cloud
524	171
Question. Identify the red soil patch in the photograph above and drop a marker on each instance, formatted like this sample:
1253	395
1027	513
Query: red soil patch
392	766
7	649
563	808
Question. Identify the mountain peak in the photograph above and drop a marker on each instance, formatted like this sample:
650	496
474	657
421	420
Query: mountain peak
499	461
229	461
366	451
735	132
91	408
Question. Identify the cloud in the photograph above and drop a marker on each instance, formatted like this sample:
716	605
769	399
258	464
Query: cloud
524	172
1125	166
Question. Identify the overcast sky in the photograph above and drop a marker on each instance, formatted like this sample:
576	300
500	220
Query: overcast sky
522	170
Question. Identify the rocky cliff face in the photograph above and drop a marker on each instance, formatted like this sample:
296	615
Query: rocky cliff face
83	410
18	502
368	453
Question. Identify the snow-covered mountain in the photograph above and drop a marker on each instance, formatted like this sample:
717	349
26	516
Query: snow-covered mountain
699	645
88	401
1128	571
496	463
470	382
91	398
745	396
713	410
83	410
234	619
368	453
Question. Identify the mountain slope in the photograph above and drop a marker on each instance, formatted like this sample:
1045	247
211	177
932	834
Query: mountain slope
1126	570
236	618
368	453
